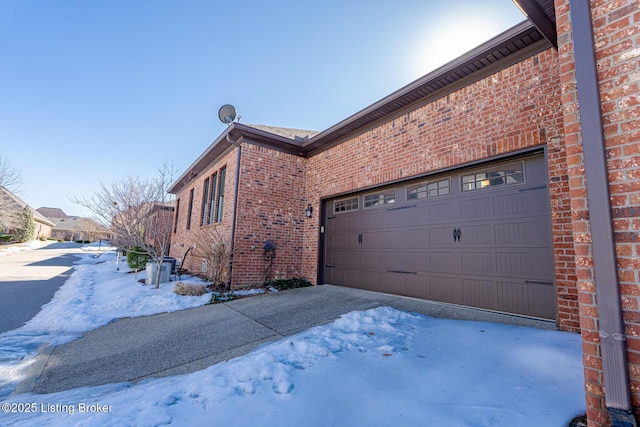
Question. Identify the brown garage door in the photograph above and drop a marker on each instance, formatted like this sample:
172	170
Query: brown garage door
479	237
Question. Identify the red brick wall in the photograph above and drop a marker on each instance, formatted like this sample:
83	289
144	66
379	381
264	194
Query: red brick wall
271	205
516	108
183	239
616	27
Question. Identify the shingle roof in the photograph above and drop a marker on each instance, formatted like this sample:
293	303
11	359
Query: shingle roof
18	202
52	212
295	134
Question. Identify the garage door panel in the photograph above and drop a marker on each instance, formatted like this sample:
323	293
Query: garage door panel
353	259
416	215
509	204
417	285
514	262
477	234
383	260
441	237
477	262
476	208
532	231
527	298
527	262
338	241
489	246
441	212
441	262
416	261
445	289
384	239
337	257
479	293
388	282
416	238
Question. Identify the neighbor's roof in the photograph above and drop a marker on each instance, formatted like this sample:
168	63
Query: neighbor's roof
506	49
18	202
52	212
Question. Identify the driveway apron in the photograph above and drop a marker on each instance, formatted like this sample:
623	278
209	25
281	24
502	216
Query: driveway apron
166	344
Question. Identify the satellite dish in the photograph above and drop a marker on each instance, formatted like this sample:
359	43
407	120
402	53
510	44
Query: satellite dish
227	113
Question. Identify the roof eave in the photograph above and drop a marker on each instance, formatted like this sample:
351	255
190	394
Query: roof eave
235	131
539	18
392	102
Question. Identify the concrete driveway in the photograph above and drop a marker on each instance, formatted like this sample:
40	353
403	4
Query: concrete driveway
28	280
186	341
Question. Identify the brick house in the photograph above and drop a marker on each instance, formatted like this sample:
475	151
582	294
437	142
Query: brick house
12	205
478	184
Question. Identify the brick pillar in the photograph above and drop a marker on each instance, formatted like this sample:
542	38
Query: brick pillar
616	27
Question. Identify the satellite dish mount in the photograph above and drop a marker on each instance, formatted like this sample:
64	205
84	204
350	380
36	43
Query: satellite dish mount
227	114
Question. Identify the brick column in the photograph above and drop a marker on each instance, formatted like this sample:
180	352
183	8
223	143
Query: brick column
616	25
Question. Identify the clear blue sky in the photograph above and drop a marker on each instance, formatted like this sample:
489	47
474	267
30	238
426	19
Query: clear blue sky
92	91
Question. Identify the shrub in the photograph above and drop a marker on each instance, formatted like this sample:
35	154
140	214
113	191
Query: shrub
137	258
182	288
217	298
27	227
284	284
43	238
6	238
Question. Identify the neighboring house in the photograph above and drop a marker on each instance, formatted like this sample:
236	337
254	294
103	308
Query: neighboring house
484	184
12	204
158	233
148	223
72	228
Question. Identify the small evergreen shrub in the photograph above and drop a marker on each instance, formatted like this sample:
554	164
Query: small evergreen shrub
217	298
6	238
284	284
137	258
43	238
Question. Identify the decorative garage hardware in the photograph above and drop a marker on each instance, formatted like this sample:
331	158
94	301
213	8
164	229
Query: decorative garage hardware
538	282
539	187
360	238
402	207
456	234
402	272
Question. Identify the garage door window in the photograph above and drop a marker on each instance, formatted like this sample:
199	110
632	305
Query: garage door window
428	189
345	205
380	199
511	174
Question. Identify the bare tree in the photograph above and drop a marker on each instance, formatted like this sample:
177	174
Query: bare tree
10	180
139	213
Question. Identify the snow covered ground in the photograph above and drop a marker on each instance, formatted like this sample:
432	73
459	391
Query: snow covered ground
380	367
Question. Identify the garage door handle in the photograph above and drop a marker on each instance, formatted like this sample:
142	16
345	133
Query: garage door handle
538	282
456	234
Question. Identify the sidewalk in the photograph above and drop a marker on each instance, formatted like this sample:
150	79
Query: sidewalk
133	349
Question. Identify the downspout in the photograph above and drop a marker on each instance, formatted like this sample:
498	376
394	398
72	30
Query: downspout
238	144
613	341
